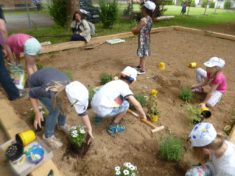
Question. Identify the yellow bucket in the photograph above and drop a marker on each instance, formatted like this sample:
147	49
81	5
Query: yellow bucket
26	137
193	65
205	112
154	118
162	66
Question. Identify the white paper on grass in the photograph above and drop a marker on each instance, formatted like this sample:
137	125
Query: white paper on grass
115	41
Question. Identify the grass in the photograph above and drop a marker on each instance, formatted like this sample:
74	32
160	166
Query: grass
105	78
195	19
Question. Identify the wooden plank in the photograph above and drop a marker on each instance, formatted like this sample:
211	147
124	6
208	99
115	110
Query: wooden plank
12	124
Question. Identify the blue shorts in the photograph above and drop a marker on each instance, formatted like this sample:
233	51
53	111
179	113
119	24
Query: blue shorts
123	108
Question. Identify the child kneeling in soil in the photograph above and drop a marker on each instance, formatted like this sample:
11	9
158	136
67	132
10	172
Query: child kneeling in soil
215	78
217	153
143	30
111	100
54	89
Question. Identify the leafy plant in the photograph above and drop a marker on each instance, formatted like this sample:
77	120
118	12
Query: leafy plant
127	169
212	4
204	3
171	148
141	98
194	113
186	94
227	4
109	12
58	11
77	136
105	78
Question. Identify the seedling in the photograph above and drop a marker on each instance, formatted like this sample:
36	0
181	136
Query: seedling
186	94
141	98
105	78
171	148
194	113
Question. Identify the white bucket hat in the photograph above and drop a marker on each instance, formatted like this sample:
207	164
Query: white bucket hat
150	5
129	71
202	135
78	96
215	61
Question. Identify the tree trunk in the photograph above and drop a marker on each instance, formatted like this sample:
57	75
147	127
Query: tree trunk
73	5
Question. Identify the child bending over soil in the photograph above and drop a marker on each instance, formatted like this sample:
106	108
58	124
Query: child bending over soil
215	78
111	100
54	89
216	153
143	30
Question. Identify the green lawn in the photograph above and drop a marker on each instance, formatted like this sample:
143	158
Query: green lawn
195	19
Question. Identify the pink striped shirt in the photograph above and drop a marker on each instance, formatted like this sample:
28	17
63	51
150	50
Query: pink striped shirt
16	42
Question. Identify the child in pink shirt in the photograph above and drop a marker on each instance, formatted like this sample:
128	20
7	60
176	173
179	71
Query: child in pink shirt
18	43
215	78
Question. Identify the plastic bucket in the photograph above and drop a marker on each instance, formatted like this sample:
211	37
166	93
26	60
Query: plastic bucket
205	112
26	137
193	65
154	118
162	66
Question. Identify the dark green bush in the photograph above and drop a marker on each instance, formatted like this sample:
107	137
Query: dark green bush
186	94
109	12
204	3
105	78
227	4
171	148
212	5
58	11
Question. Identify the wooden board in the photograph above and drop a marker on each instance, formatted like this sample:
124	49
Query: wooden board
12	124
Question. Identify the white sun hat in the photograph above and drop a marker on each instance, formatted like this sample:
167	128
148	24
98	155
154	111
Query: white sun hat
78	96
130	71
150	5
202	135
215	61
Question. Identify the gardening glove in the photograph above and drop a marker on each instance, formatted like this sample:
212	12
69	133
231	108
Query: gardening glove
38	120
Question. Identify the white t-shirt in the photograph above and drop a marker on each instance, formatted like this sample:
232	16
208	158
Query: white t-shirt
109	96
225	165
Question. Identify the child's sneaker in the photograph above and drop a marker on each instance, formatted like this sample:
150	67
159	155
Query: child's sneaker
140	71
53	142
115	128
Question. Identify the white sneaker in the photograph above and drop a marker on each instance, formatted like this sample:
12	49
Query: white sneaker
53	142
64	128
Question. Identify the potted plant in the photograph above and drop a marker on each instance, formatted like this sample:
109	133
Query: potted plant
79	140
127	169
153	113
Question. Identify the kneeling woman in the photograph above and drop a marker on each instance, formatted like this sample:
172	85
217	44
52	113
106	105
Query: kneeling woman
54	89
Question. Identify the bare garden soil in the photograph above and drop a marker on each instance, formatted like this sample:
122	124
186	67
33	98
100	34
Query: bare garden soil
136	144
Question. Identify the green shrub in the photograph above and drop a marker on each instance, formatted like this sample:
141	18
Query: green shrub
141	98
105	78
212	5
204	3
58	11
186	94
227	4
109	12
171	148
192	3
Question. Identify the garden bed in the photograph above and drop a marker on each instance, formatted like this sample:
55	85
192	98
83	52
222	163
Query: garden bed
136	145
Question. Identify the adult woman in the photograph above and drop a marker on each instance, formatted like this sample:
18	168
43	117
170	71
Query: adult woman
80	28
206	143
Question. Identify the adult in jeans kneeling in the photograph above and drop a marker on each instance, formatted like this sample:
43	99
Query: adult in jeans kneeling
54	89
112	100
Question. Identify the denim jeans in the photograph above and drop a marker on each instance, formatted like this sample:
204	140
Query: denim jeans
54	116
6	81
123	108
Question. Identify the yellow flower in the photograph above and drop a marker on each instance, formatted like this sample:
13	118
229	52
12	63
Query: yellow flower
153	92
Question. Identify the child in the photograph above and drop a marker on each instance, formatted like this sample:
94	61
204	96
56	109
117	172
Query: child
111	100
206	143
183	10
53	89
143	30
215	78
31	47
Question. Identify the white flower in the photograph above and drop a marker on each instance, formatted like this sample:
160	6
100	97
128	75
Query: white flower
126	172
132	167
118	172
133	174
117	168
82	131
127	164
75	132
74	135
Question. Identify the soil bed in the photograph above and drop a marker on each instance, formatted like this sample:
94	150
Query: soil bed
136	144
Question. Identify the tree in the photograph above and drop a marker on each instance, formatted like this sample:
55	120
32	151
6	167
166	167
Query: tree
73	5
